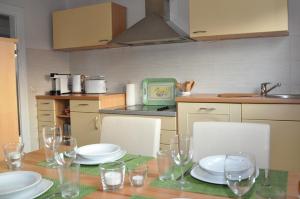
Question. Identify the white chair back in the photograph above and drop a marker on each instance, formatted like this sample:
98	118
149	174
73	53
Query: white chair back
216	138
136	135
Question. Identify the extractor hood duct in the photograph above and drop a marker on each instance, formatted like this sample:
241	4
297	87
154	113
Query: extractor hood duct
155	28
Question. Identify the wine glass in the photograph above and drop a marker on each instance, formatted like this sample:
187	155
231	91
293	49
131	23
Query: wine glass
181	153
65	153
52	137
240	172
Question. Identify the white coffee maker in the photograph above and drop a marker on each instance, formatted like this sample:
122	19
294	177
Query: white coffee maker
60	84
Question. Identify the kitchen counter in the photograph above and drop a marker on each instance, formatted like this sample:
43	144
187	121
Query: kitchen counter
213	98
169	111
82	96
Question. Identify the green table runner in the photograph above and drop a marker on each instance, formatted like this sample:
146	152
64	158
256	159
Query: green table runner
53	192
131	161
278	179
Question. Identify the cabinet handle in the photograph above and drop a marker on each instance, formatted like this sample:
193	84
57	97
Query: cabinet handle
206	109
83	104
96	122
45	103
46	114
199	31
103	40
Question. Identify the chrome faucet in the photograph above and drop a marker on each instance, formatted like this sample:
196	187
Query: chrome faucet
264	90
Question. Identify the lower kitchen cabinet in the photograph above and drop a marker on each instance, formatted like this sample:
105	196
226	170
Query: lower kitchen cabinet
77	115
85	128
284	145
188	113
284	120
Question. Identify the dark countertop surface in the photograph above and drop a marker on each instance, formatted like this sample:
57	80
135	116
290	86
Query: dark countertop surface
169	111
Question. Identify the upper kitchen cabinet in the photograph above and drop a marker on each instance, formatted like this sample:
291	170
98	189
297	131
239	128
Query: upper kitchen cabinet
86	27
215	19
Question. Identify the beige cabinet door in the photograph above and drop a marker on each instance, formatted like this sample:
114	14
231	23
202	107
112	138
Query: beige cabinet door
284	146
85	127
88	26
9	126
188	113
85	26
235	18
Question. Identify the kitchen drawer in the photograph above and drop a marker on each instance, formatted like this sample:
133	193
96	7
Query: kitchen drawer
85	106
45	124
168	123
164	147
45	105
165	136
204	108
271	111
46	116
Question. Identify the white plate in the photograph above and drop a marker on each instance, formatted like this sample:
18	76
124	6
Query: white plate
94	151
33	192
119	155
203	175
17	181
213	164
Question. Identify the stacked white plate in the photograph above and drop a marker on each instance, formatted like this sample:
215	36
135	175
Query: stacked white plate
22	185
211	169
99	153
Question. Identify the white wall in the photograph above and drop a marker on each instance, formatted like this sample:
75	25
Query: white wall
135	8
38	25
40	64
221	66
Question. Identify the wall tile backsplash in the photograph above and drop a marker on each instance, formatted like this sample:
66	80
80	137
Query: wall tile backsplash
221	66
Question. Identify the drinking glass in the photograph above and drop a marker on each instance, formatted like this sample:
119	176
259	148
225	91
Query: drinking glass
52	137
181	153
69	180
165	165
13	155
240	172
64	155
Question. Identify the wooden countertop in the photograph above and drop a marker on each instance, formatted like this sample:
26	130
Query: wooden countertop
81	96
213	98
4	39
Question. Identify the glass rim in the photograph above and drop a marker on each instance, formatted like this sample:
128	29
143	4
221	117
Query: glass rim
142	167
114	165
240	153
12	144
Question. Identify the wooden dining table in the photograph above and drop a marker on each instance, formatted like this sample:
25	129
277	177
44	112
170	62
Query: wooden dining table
31	160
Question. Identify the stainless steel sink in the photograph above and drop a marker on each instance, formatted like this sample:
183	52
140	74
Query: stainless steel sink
284	96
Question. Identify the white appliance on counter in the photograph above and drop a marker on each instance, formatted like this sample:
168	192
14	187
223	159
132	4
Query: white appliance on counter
95	84
76	83
60	84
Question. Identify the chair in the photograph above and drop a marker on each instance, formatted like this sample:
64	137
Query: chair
215	138
137	135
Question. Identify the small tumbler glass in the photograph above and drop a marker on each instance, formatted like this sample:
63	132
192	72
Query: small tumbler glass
69	180
138	175
165	165
13	155
112	175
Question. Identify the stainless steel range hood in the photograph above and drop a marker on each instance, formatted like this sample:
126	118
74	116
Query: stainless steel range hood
155	28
